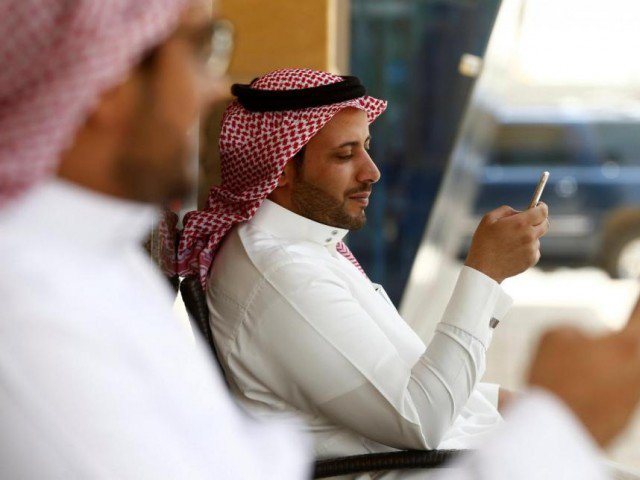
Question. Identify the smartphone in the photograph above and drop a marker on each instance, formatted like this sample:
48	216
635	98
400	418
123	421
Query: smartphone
539	189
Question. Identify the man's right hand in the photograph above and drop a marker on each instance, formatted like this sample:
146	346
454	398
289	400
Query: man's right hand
507	242
596	377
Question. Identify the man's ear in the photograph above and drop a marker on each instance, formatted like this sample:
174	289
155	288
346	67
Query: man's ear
283	192
288	173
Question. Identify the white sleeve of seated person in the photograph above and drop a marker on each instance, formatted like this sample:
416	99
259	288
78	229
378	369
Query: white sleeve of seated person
77	406
541	439
341	363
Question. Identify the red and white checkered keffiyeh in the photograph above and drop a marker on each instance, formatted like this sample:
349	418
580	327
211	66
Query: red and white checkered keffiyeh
56	58
254	148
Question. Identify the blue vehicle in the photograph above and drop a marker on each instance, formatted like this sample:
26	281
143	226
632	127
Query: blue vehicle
593	191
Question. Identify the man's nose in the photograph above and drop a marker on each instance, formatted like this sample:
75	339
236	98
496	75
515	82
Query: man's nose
369	172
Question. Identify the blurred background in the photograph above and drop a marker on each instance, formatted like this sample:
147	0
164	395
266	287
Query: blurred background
483	96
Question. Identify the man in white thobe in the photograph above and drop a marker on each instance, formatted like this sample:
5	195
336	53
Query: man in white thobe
98	380
298	325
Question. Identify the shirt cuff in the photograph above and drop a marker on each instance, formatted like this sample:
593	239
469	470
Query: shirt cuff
475	301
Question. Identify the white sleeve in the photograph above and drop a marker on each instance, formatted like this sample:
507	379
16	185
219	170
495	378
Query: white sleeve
78	405
450	369
335	358
540	439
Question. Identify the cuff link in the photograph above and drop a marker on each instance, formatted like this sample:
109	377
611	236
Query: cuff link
493	323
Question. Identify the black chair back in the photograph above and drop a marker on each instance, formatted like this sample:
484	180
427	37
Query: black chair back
195	301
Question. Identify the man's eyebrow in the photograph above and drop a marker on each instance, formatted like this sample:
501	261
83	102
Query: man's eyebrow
352	143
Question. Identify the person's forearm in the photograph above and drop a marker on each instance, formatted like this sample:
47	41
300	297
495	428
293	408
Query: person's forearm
443	379
447	373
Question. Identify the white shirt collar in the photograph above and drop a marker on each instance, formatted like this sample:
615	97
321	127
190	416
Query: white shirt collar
58	208
284	223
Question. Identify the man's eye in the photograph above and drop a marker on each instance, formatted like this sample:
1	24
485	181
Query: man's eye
345	157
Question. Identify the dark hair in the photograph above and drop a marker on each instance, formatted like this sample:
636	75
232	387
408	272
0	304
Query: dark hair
299	156
148	60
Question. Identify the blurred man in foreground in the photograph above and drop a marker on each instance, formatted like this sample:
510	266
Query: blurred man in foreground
97	378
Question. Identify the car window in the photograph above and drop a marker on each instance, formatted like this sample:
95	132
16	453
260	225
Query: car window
531	144
618	142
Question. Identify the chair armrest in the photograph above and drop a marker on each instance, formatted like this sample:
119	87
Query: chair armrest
402	460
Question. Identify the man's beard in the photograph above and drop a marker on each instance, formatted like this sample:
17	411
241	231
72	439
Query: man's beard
314	203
